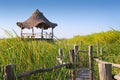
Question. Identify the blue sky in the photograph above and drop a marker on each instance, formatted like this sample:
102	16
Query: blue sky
74	17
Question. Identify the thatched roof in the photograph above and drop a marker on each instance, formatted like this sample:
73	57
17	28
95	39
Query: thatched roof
37	20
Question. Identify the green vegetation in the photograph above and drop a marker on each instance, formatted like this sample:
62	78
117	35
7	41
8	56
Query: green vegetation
32	55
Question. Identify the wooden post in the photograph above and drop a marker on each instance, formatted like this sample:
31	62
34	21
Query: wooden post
75	48
105	71
90	51
42	33
32	32
60	53
60	56
46	35
8	72
76	53
21	34
72	71
52	33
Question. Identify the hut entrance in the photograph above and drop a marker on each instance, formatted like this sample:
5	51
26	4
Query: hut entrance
37	21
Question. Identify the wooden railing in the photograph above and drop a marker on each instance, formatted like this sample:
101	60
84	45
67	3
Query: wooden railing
8	70
105	70
37	35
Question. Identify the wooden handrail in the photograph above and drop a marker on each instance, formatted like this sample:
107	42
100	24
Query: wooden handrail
113	64
41	70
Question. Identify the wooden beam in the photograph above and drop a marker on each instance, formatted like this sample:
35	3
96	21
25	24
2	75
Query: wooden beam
72	61
76	53
21	33
42	33
32	31
117	77
105	71
20	75
52	33
90	51
113	64
8	72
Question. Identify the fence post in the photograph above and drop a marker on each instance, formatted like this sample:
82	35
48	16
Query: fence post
72	71
76	53
90	51
60	51
8	72
105	71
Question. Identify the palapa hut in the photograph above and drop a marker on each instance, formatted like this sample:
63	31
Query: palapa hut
37	20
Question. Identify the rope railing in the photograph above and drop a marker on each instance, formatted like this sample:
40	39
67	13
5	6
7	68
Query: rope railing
41	70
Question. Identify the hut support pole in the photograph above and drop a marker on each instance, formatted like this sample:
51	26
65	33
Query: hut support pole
21	33
52	33
42	33
32	33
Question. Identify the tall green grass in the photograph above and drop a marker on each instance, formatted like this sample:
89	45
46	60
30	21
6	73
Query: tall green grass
109	41
32	55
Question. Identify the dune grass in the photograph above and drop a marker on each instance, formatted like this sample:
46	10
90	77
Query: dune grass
32	55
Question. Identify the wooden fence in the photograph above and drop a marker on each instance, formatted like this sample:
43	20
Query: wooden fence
105	70
8	70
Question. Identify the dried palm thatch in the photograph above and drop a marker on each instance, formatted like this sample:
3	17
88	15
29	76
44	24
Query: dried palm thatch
37	20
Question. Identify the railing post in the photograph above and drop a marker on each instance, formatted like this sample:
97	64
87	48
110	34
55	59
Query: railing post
72	60
90	51
105	71
60	51
76	53
60	58
8	72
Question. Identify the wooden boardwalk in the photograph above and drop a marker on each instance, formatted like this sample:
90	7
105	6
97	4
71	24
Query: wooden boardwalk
82	74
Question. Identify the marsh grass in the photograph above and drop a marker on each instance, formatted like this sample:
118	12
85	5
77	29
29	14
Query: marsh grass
32	55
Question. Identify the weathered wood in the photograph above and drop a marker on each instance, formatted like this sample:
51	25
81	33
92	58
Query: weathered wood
90	51
72	71
105	71
41	70
83	51
113	64
76	48
32	31
42	33
8	72
60	51
21	32
76	53
60	56
117	77
52	33
72	56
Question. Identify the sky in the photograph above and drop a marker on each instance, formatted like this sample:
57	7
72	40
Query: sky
74	17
